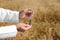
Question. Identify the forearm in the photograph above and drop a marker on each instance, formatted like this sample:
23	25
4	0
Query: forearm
8	31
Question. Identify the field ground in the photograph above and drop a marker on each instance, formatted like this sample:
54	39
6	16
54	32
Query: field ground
45	22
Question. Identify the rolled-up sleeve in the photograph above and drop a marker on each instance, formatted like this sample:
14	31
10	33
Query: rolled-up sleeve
8	31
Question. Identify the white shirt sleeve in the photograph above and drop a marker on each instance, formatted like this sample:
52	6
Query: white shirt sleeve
7	15
8	31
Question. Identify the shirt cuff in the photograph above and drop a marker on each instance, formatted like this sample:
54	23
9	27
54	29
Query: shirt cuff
8	31
16	17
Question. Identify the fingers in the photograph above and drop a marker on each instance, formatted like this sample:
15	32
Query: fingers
28	12
23	27
27	26
28	9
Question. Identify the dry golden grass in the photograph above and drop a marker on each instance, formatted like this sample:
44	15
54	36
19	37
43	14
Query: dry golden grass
46	19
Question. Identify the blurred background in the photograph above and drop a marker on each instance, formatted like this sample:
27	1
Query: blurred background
45	22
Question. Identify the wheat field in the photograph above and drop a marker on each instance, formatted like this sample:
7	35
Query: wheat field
45	22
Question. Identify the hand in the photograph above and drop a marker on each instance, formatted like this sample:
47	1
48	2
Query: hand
23	27
26	13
